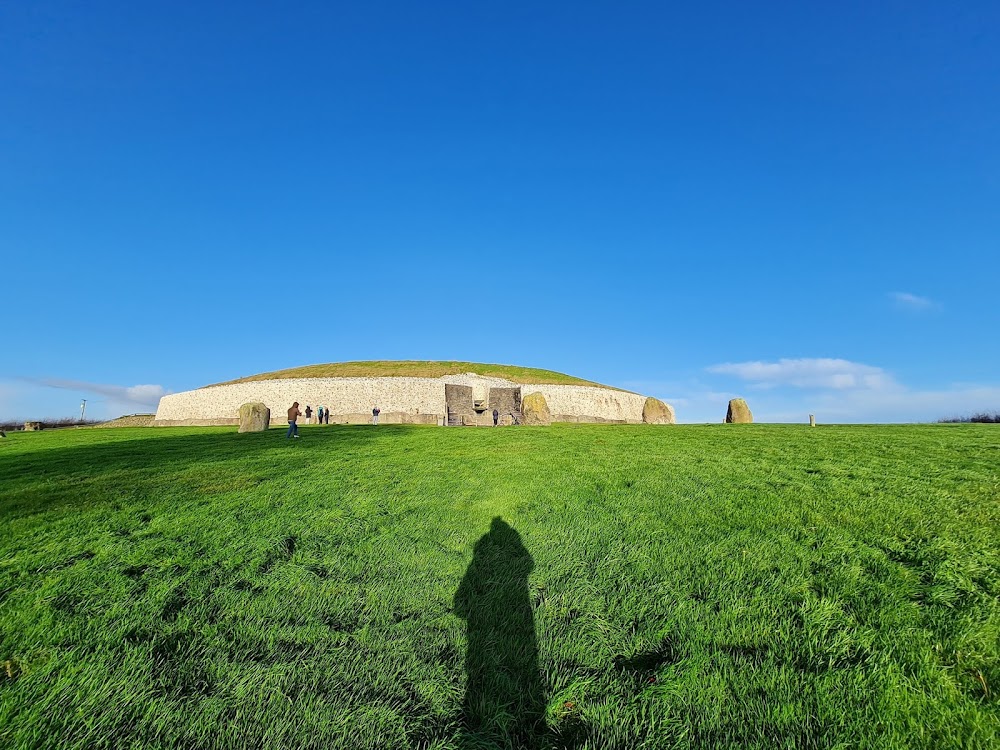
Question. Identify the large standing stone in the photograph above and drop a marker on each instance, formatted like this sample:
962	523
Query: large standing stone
535	410
254	417
655	411
739	412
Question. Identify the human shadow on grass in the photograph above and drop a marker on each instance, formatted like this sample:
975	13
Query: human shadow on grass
504	698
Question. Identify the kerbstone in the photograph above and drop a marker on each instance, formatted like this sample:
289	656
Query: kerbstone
655	411
535	410
254	417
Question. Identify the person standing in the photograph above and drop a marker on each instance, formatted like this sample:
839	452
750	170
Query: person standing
375	412
496	417
309	413
293	415
319	415
326	416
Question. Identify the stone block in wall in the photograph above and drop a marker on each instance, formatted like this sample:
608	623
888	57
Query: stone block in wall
458	399
504	400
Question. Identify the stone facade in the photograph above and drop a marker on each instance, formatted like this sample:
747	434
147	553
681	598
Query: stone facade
402	400
582	403
504	400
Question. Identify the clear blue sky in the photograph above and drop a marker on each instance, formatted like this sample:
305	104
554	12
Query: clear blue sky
795	204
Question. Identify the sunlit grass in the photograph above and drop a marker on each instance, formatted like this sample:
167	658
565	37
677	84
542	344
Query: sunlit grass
690	586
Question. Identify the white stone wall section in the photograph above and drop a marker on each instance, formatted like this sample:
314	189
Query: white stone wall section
582	401
341	395
400	399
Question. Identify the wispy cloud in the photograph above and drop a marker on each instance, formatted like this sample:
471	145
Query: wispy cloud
838	374
146	396
912	302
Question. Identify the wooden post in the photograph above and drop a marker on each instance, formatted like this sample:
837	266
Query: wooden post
812	420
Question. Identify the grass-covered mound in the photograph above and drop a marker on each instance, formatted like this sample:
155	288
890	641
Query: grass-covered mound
769	586
420	369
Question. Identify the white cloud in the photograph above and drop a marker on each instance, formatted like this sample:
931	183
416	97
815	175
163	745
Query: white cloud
837	374
838	390
913	302
903	404
142	396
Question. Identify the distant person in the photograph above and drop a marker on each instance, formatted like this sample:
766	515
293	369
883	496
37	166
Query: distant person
293	415
326	415
375	412
319	415
496	417
309	414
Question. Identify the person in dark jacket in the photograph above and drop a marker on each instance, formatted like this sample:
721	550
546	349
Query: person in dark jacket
309	413
496	417
293	415
326	416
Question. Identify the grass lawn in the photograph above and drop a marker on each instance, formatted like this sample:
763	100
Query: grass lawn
574	586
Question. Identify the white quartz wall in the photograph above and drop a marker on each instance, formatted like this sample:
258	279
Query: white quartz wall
588	401
341	395
409	396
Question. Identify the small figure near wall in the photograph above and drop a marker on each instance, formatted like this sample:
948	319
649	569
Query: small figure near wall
319	415
496	417
375	412
309	414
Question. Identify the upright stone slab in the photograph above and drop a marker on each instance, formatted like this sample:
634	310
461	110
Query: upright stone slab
254	417
655	411
535	410
458	401
504	400
739	412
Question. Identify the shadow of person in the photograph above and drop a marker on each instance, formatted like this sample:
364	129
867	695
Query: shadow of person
504	700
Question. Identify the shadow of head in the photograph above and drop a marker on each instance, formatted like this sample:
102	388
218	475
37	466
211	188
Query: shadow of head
501	552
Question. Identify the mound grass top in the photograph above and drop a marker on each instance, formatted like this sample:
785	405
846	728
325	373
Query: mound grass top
412	368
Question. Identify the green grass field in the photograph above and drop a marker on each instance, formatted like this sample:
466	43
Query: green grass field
574	586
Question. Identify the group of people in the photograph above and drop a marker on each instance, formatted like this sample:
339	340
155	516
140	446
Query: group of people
322	417
322	414
496	417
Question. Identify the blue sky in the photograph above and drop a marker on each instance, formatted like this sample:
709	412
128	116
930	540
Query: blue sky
794	204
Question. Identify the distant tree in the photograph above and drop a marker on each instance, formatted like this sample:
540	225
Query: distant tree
982	417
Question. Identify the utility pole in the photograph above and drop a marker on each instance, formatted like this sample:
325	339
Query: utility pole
83	408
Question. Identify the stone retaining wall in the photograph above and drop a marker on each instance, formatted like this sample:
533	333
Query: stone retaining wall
401	400
344	396
583	403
